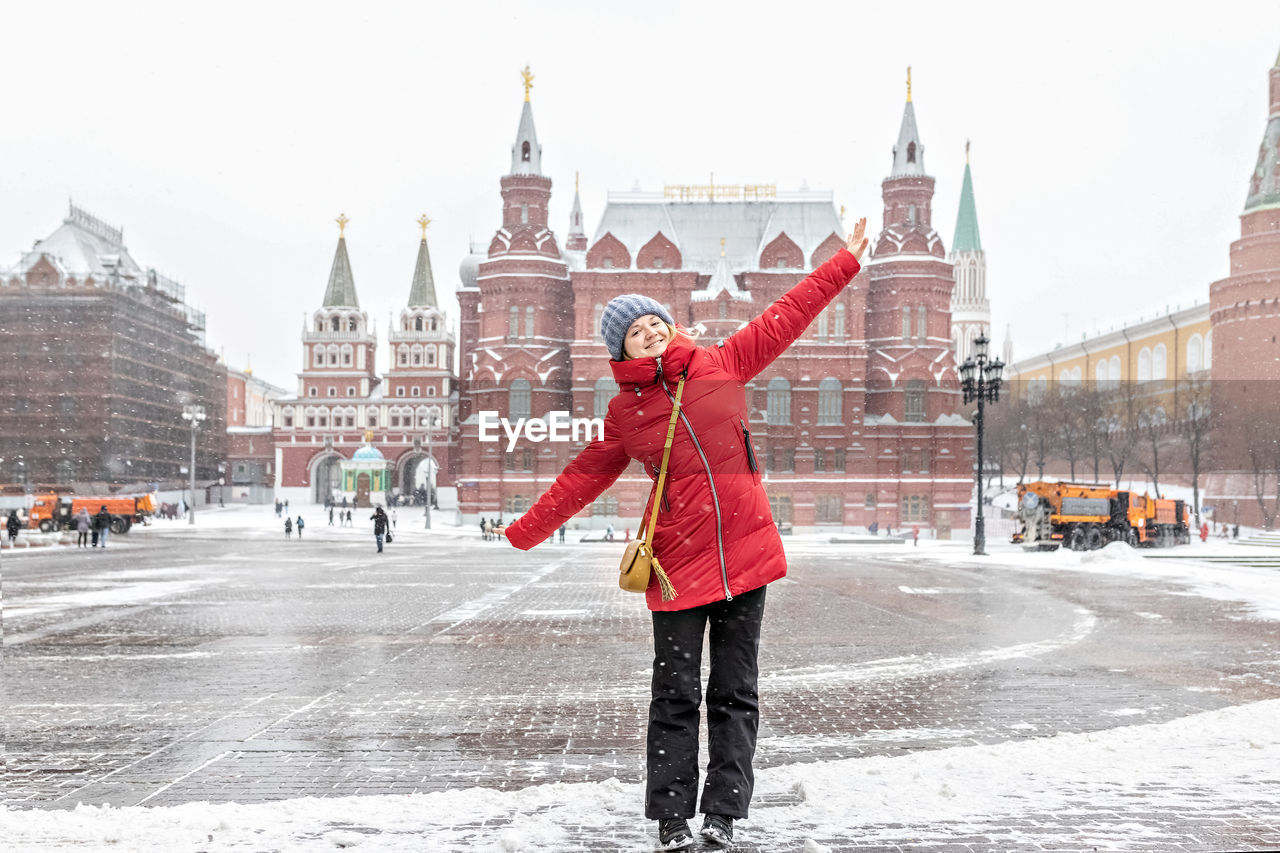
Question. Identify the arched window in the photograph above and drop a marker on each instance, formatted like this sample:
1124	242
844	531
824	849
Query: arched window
911	214
1195	354
606	389
779	401
333	354
906	323
434	323
595	321
1208	349
1144	365
1065	376
513	326
404	356
528	322
351	324
519	399
524	211
822	326
1160	363
431	356
318	356
838	332
417	324
319	324
830	398
911	152
1076	375
1100	374
346	355
922	324
913	404
335	323
417	356
1113	371
524	151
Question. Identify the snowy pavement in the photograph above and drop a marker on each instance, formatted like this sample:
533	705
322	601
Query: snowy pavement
217	687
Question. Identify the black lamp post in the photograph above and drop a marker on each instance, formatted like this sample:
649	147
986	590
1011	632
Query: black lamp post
980	380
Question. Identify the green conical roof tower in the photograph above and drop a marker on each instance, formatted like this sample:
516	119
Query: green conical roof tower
423	290
341	291
966	236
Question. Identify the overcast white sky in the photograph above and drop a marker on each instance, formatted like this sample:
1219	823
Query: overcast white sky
1112	142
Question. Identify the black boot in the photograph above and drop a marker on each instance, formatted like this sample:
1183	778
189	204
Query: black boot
674	834
717	830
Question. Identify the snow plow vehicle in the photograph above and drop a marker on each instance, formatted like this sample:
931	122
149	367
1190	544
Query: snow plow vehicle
50	512
1085	517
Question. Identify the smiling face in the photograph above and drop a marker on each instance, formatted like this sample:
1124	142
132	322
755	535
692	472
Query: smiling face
647	337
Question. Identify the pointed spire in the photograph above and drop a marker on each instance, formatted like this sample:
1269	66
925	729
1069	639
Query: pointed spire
722	280
908	154
966	236
577	240
423	290
341	291
526	153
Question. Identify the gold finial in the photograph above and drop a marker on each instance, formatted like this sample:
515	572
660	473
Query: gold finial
368	436
342	224
528	81
908	84
722	247
424	221
842	213
575	182
966	152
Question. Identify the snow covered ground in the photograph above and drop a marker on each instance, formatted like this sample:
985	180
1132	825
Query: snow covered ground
1008	791
1105	786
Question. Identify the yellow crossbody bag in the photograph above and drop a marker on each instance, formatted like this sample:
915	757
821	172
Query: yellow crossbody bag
639	561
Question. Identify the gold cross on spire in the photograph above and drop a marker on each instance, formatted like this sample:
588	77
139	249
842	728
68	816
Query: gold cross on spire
722	247
424	221
908	84
342	224
966	151
528	81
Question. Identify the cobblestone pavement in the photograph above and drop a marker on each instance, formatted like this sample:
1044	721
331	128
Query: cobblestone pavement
182	666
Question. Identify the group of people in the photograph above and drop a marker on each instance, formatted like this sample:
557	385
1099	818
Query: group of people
282	507
490	530
95	526
289	524
344	518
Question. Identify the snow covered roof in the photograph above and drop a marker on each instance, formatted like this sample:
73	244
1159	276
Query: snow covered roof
696	228
84	245
722	281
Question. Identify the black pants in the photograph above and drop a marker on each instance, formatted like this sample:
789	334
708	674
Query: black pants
733	712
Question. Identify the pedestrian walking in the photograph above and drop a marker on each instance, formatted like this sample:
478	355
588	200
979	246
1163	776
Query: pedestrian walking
1204	531
301	524
393	519
103	521
608	533
484	534
286	506
349	523
331	516
1235	531
13	525
379	519
714	535
563	527
83	524
487	527
288	528
915	535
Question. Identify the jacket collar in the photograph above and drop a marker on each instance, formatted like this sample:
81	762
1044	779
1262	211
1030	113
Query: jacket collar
638	372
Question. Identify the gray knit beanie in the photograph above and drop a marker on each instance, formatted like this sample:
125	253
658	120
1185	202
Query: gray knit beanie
620	313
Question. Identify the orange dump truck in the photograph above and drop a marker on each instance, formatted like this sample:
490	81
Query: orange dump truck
1084	517
58	512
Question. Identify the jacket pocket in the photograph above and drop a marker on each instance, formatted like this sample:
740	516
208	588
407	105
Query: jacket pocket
751	454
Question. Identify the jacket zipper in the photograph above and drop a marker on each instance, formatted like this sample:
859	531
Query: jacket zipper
751	454
711	481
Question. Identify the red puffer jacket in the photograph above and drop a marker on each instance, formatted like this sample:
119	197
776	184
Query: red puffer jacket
715	535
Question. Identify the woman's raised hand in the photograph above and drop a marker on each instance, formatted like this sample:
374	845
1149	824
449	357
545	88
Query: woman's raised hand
858	239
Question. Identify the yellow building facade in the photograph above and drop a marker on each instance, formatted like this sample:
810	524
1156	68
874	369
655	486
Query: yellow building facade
1173	346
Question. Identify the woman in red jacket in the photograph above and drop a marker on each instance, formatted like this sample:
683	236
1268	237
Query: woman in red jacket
715	534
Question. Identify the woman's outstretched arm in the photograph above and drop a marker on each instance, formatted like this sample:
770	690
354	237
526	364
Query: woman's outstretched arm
753	347
582	481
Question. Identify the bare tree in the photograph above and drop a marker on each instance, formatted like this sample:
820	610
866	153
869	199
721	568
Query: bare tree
1193	430
1069	425
1118	427
1153	424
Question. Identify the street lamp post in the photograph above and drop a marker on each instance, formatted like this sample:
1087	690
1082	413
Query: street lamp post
431	461
980	381
193	415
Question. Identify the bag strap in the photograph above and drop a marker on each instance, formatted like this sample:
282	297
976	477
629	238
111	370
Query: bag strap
666	456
